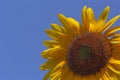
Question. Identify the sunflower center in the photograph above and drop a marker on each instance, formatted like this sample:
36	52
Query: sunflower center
88	54
84	53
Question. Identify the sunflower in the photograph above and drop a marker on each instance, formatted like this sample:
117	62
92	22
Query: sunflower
86	51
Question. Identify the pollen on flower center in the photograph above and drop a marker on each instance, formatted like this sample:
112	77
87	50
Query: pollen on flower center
84	52
88	54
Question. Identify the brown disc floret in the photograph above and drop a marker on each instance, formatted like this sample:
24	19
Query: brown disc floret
88	54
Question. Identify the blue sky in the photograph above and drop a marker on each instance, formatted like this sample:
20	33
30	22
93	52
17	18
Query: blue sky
22	25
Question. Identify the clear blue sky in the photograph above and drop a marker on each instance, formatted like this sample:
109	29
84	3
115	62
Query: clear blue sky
22	25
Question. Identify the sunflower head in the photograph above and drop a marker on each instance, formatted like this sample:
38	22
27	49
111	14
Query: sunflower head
89	50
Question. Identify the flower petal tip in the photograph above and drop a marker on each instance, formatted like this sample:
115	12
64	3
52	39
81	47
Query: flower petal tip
107	9
85	6
42	68
118	16
60	15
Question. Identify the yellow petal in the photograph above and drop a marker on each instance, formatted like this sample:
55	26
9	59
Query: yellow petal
118	77
85	22
59	66
50	43
114	61
84	78
98	75
111	75
51	34
103	17
110	22
104	14
57	27
55	34
115	39
66	24
52	70
116	52
47	75
61	30
61	37
57	70
65	71
92	21
111	31
56	76
50	64
54	53
77	77
67	74
113	69
115	74
104	77
58	36
95	76
75	25
64	21
114	35
90	14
